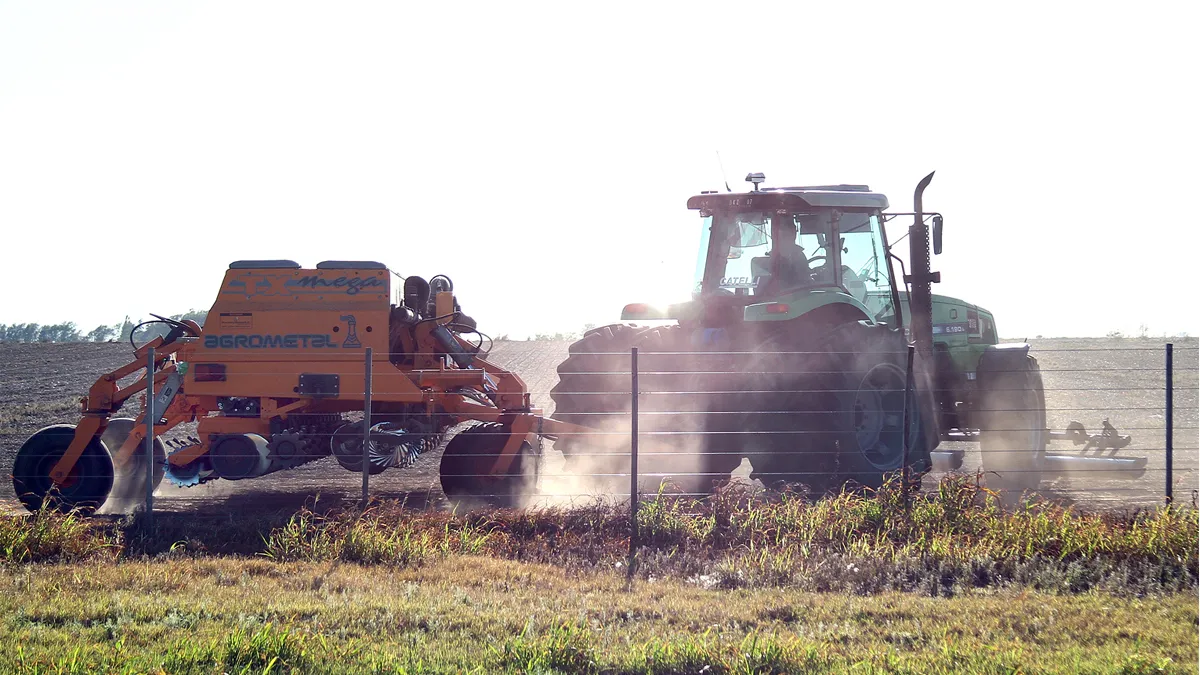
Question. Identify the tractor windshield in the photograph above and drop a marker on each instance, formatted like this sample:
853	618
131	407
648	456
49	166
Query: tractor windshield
764	252
865	270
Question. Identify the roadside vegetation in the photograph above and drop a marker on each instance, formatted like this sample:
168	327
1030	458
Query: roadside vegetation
484	615
954	538
744	582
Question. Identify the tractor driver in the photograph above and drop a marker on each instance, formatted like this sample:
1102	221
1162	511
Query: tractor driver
789	264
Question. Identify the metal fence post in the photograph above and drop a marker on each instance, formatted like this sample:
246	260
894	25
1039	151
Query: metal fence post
151	419
366	447
908	387
1170	422
633	462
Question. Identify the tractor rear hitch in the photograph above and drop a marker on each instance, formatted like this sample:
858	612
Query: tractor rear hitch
1097	465
1100	464
1108	440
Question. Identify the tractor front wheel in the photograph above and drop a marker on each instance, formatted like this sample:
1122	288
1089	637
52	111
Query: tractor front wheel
87	485
844	406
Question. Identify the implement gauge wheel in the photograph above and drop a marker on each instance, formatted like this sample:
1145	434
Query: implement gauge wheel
87	486
467	464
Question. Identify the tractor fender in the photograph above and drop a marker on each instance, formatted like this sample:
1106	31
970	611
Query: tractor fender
1002	358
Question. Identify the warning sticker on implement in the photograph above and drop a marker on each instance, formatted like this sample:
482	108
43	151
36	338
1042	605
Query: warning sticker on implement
237	320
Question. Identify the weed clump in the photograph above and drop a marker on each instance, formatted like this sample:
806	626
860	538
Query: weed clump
368	539
50	536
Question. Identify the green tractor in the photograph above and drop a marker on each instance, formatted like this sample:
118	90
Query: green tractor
794	354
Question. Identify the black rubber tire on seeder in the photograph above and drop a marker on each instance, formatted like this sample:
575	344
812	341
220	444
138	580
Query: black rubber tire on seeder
91	479
467	461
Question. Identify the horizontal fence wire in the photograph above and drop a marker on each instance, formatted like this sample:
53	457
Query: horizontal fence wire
668	390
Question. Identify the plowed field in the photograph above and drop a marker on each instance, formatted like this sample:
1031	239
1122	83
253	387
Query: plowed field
1086	380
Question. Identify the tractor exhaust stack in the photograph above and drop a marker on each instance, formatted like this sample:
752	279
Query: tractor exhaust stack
920	296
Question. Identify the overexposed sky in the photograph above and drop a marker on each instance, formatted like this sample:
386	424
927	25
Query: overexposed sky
542	154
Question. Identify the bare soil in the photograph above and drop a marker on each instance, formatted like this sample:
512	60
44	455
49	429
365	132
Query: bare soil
1087	379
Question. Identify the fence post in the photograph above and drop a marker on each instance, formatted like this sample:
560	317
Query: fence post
633	463
1170	422
151	419
366	446
908	387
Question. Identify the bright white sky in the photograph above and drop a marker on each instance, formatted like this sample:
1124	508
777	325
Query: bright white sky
541	155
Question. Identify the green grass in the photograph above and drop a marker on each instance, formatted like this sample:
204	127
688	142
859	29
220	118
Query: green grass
740	583
47	536
956	538
474	613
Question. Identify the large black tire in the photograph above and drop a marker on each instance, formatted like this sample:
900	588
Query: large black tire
688	439
1012	415
467	463
87	486
674	417
130	481
835	414
593	391
593	386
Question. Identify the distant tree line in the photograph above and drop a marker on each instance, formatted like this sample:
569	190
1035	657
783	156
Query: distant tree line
68	331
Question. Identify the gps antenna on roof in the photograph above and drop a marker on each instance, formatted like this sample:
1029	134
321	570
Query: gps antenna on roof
722	165
755	179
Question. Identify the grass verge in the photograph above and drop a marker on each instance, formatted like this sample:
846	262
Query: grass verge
479	614
956	538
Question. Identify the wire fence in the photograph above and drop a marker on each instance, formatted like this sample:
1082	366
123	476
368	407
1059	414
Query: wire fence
687	422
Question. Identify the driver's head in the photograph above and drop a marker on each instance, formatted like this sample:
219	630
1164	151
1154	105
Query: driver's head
785	244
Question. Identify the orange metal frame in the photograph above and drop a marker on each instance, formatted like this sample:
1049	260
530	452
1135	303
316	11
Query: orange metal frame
269	326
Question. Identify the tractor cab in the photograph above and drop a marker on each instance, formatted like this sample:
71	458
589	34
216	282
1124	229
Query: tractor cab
793	249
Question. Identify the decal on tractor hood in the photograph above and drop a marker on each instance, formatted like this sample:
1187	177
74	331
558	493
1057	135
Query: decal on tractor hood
943	328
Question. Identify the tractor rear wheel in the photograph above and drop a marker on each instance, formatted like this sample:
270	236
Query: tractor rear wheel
688	433
87	485
675	411
593	391
130	480
836	416
466	469
593	386
1012	438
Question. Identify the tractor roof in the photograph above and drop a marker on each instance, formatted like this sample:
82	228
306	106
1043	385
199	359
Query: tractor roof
794	198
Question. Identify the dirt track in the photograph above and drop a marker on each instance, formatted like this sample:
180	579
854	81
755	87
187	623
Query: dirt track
1086	379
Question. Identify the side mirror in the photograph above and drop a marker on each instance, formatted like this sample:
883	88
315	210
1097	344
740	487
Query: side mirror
937	235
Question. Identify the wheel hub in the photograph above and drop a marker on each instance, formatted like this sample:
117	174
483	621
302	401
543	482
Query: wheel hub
878	417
